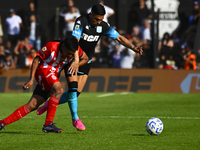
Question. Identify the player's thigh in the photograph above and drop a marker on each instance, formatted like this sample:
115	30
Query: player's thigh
72	78
82	79
46	78
35	102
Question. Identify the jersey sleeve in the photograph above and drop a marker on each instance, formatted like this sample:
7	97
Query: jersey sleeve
111	33
80	51
44	52
78	29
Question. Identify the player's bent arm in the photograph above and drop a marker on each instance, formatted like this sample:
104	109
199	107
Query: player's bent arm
74	66
124	41
76	56
34	66
83	60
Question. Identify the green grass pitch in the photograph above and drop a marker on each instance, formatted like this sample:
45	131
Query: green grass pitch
114	121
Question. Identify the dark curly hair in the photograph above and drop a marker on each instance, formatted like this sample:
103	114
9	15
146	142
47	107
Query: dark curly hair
98	9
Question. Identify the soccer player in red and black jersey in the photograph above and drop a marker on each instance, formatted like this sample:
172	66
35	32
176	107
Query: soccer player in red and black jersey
46	68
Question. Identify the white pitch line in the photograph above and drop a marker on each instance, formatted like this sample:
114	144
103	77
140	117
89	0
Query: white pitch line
141	117
124	117
125	93
105	95
110	94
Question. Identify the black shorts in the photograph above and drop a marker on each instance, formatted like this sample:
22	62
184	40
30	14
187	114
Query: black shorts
85	69
40	92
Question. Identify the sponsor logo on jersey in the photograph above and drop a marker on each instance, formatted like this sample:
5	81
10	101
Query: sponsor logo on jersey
76	32
90	38
99	29
53	77
44	48
77	27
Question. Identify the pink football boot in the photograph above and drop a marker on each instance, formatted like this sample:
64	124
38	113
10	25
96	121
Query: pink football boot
78	124
42	109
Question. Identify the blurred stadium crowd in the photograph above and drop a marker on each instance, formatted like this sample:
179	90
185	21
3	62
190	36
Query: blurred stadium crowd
24	38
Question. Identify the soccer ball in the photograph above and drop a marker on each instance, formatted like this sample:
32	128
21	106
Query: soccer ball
154	126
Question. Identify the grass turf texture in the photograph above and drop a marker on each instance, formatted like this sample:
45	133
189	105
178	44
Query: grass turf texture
113	122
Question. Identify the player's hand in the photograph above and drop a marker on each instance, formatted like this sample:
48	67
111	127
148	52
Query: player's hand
27	84
74	68
138	50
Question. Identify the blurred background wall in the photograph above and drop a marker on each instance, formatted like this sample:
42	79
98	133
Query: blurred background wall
47	11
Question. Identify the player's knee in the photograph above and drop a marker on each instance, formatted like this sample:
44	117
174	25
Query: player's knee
73	86
59	92
32	105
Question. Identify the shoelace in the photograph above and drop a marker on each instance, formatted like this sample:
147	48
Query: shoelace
79	121
53	124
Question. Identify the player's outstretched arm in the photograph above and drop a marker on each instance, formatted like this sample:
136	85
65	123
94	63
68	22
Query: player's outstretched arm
124	41
32	73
